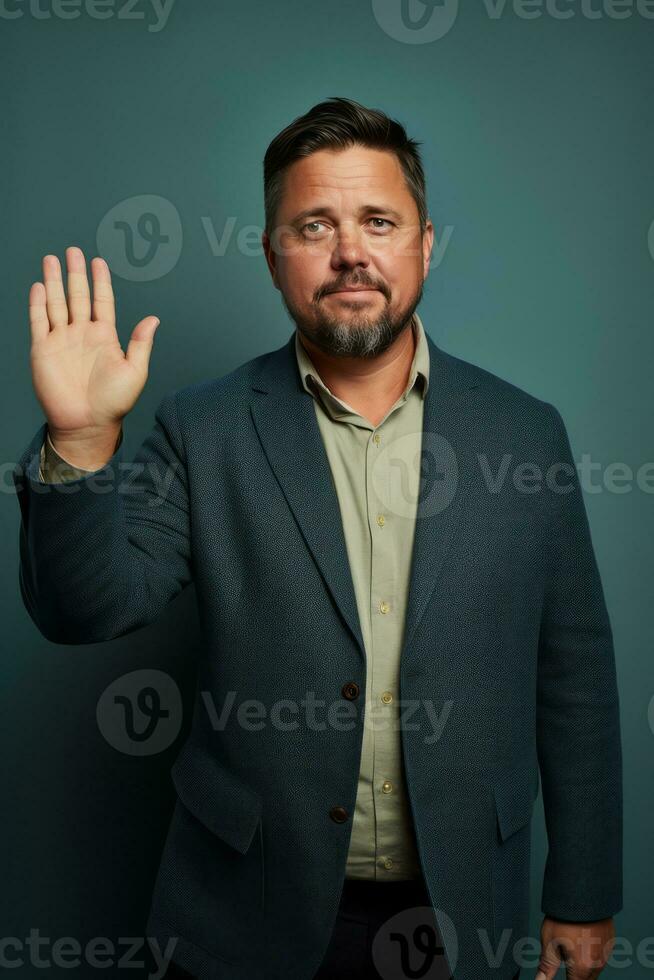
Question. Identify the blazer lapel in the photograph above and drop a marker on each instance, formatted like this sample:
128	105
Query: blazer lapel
284	416
286	422
452	435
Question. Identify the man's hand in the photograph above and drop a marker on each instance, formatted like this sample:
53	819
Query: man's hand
584	947
82	379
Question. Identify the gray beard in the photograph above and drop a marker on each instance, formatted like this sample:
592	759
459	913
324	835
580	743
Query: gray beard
357	337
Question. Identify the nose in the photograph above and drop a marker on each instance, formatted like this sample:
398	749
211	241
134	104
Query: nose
349	248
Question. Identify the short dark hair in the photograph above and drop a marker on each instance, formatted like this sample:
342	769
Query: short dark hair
338	123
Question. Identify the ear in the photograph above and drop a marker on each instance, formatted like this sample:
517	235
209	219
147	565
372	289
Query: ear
271	257
427	246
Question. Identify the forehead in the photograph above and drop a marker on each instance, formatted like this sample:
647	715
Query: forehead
334	175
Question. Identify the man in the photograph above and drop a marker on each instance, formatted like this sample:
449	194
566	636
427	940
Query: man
423	641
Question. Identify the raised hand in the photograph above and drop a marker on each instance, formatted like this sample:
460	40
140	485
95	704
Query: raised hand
83	380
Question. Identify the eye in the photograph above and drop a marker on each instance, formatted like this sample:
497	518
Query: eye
308	226
385	222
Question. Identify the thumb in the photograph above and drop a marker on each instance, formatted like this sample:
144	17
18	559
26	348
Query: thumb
549	964
139	347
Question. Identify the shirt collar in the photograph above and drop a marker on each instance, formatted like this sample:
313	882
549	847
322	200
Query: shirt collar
419	367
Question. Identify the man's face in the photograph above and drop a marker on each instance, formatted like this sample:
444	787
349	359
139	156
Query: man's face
347	218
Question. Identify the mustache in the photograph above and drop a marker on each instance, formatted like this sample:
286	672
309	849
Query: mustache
361	283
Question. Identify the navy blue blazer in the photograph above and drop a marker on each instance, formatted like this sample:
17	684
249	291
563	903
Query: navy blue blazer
506	629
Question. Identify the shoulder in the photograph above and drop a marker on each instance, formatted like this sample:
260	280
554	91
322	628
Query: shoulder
504	403
195	402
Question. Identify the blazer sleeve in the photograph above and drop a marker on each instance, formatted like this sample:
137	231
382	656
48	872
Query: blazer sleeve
101	555
578	719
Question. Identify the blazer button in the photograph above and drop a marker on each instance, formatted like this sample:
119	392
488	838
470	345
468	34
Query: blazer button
338	814
350	690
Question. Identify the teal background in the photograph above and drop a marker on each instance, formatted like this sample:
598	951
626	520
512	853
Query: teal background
537	140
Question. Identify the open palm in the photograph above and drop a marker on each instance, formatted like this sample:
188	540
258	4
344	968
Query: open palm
82	378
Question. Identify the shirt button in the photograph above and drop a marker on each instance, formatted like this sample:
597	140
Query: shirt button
384	606
387	697
388	863
381	520
376	438
338	814
387	787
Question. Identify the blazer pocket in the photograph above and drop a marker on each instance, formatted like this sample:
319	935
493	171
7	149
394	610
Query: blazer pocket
514	797
217	797
210	884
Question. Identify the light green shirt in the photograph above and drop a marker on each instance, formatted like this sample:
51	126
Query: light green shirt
376	473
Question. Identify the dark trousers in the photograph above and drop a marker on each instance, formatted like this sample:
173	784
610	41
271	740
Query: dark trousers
383	930
175	972
388	922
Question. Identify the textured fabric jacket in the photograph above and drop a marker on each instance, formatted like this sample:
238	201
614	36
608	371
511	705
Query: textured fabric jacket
507	641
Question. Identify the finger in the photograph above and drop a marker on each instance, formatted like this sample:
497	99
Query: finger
79	297
54	291
549	964
140	345
39	323
104	307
